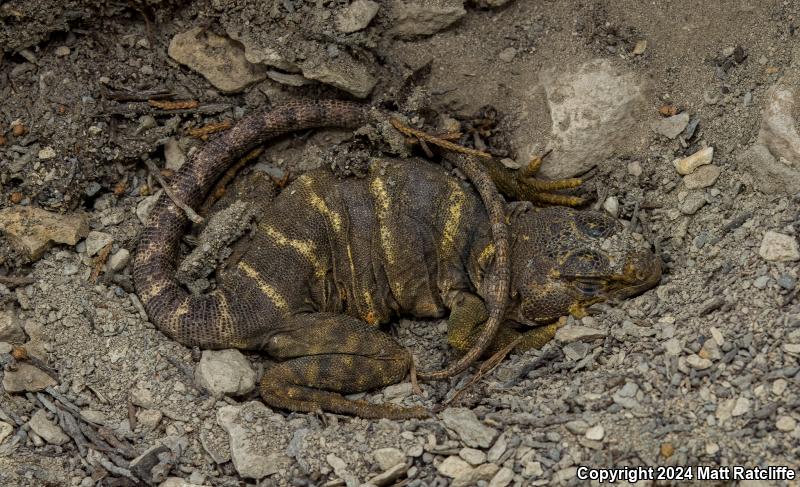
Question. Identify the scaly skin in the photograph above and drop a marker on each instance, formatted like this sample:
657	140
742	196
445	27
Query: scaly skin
334	259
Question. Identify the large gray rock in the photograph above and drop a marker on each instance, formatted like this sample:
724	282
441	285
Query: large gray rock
594	111
26	378
10	329
779	124
467	426
252	456
49	431
219	59
769	175
413	18
224	372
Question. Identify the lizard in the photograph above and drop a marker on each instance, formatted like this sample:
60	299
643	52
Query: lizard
334	259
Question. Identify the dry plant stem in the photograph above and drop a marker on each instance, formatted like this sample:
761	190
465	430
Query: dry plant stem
190	213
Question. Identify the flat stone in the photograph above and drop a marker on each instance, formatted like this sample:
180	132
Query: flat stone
119	260
741	407
574	333
724	410
595	433
356	16
689	164
225	372
472	456
698	363
251	455
453	467
414	18
179	482
145	465
778	247
26	378
702	177
783	423
671	127
5	431
693	202
148	419
466	425
507	55
673	347
219	59
388	457
594	111
48	430
10	329
484	473
173	154
389	477
577	426
32	230
502	478
343	72
95	242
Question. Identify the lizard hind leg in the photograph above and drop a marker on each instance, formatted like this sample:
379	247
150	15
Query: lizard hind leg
325	356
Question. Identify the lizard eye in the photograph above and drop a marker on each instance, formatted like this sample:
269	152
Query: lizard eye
595	225
589	288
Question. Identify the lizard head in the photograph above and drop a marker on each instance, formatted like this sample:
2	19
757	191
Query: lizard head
563	260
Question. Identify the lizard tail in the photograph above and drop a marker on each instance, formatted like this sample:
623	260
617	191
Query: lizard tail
169	306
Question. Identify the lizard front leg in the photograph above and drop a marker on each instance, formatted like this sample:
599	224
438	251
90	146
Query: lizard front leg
522	184
467	315
326	355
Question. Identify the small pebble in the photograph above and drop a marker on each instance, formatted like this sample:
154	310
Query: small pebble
507	55
786	423
595	433
62	51
778	247
687	165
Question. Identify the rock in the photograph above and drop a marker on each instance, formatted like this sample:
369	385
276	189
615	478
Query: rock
142	397
671	127
502	478
388	457
640	47
412	18
26	378
150	465
635	168
342	72
173	154
533	469
698	363
702	177
791	347
626	396
693	202
62	51
49	431
673	347
119	260
145	206
574	333
724	411
95	242
288	79
778	247
741	407
783	423
687	165
6	347
484	473
225	372
453	467
593	115
564	474
389	476
5	431
178	482
595	433
779	125
507	55
148	419
611	205
577	426
219	59
251	455
47	153
498	449
472	456
396	392
33	230
10	329
356	16
467	426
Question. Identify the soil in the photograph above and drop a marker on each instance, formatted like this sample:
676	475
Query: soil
637	396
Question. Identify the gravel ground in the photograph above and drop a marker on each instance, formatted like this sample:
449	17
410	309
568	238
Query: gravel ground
685	116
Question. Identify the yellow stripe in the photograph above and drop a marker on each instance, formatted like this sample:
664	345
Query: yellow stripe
320	205
306	248
277	299
455	206
382	204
